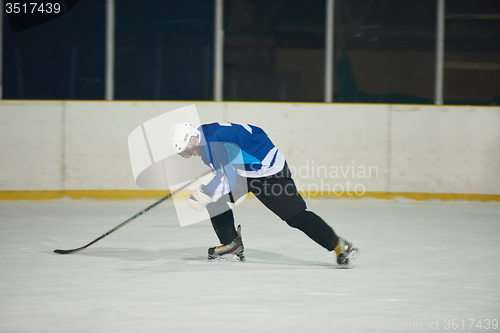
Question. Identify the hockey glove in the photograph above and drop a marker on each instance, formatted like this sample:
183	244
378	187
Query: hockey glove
198	200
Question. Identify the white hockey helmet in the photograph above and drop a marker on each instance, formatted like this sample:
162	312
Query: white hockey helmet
181	138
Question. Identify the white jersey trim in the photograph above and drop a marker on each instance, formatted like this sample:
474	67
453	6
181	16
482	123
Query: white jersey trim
266	169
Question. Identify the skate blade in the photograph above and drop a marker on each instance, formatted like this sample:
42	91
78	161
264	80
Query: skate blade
233	258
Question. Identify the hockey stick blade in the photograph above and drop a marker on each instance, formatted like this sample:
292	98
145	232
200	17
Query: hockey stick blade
83	247
59	251
68	251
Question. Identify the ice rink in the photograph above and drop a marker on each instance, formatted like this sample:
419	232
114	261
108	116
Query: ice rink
427	266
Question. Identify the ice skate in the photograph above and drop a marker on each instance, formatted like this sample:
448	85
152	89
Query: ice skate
235	248
346	253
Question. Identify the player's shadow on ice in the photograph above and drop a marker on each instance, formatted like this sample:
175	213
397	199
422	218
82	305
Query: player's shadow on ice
198	254
259	256
254	257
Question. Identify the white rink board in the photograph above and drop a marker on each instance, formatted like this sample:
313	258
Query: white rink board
452	148
80	145
31	143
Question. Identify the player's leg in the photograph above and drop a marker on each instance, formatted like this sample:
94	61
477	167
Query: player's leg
229	237
319	231
280	195
222	219
315	228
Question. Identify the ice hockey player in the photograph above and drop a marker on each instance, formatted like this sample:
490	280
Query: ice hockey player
244	160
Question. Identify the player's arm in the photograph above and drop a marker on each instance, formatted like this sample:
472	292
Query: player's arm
224	181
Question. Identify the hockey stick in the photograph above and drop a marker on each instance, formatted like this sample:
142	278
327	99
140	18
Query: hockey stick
129	220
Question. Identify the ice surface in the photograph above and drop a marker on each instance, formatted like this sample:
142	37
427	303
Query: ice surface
421	264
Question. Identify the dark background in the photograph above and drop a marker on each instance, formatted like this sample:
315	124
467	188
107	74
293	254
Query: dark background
384	52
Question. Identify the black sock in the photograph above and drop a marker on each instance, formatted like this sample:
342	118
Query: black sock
314	227
224	227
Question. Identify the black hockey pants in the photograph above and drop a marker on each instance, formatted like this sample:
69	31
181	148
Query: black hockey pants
278	193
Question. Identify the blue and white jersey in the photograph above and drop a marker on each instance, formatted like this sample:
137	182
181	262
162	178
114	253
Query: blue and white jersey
230	148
